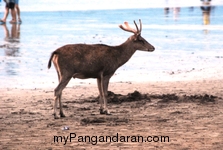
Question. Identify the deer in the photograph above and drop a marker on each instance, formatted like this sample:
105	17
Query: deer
97	61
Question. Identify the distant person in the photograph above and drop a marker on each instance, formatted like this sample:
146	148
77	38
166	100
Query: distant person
176	11
18	10
10	5
206	9
206	1
166	10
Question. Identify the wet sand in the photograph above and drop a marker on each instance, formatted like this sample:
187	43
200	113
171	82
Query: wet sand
189	112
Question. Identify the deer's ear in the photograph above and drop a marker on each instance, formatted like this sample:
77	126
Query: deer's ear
137	37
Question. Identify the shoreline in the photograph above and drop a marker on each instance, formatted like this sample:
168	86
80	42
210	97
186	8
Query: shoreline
125	76
205	86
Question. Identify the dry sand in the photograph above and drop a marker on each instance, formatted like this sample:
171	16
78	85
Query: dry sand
189	112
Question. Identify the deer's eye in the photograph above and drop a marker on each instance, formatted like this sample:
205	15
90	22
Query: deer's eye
142	41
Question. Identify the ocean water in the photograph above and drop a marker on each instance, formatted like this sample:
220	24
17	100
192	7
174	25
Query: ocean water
188	40
72	5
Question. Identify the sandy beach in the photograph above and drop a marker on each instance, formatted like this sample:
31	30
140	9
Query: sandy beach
189	113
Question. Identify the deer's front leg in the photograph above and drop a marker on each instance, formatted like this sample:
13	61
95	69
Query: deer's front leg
100	94
104	87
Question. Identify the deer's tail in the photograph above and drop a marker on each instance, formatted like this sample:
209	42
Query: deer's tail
51	57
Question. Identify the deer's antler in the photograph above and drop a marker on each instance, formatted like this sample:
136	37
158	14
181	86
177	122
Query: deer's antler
140	26
126	27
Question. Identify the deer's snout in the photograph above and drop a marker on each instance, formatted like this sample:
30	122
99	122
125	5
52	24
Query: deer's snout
151	49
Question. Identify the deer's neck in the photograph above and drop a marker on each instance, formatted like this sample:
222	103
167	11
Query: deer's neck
126	50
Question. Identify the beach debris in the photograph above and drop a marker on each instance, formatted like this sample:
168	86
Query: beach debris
65	128
104	120
164	98
130	97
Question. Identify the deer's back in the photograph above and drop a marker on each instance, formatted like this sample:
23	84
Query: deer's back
88	59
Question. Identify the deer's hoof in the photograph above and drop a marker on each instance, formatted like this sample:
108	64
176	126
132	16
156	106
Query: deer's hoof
106	112
55	116
62	115
102	111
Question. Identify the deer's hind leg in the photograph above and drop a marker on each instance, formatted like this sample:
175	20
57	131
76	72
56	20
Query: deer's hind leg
63	77
58	94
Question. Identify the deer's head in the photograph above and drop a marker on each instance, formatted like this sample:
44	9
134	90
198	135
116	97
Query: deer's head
139	42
